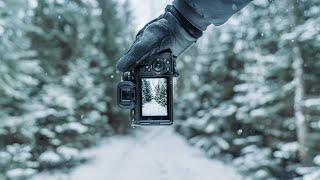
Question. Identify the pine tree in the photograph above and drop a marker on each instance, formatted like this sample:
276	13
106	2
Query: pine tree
64	40
242	102
207	95
19	78
59	58
161	93
114	25
146	91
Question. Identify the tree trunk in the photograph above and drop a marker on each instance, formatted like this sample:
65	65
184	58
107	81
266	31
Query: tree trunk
302	129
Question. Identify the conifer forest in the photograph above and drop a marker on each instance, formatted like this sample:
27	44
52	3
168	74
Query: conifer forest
248	94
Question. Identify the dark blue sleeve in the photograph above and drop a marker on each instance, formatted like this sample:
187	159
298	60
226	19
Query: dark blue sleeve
202	13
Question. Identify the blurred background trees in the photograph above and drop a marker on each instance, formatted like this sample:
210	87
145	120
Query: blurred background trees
248	91
57	80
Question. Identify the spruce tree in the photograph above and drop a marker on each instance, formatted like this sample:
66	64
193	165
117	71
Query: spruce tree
58	70
207	106
146	91
253	114
163	94
19	79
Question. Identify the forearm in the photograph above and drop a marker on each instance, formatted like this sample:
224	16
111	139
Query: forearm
202	13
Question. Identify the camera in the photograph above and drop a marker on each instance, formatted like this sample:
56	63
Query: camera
147	90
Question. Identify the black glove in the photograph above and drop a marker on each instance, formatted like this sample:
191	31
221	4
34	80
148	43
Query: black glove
171	31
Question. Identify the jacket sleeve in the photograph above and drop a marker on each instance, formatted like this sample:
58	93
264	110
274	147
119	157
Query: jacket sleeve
202	13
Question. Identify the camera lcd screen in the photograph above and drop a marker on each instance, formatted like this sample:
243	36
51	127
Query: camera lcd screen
154	97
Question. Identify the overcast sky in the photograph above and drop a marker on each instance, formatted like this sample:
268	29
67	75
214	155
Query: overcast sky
146	10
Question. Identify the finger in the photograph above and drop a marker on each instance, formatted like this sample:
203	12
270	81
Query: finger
155	38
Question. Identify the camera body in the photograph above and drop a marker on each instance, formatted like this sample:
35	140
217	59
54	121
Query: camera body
147	90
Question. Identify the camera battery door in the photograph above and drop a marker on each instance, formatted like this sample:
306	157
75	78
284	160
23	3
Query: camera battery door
126	95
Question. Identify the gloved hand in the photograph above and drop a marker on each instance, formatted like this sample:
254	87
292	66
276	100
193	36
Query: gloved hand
171	31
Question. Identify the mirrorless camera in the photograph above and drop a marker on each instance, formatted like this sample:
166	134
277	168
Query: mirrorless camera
147	90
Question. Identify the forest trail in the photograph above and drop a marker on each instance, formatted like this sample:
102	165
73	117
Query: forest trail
153	153
154	109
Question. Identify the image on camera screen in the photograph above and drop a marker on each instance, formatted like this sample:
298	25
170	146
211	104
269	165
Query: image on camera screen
154	96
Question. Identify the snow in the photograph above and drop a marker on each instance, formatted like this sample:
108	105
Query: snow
50	157
5	157
20	173
47	132
313	176
317	160
287	150
75	126
55	94
153	108
146	11
67	152
312	102
263	3
155	153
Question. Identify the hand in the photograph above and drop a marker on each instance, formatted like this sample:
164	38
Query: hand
163	33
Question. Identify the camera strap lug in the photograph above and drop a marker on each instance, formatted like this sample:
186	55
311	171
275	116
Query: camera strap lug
133	124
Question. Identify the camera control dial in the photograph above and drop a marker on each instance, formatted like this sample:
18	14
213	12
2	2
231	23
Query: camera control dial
161	66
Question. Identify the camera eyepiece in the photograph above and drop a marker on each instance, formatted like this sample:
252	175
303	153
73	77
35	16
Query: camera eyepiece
126	95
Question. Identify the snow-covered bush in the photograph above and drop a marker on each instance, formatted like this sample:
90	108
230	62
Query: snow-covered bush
258	162
17	162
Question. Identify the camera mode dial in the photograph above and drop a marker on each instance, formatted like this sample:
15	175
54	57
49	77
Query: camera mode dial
161	66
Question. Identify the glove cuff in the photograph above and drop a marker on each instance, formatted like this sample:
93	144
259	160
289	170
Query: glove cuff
197	20
191	30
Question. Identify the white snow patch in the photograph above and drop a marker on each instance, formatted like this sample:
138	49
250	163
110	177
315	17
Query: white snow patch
317	160
5	157
287	150
54	94
153	108
75	126
263	3
312	176
155	153
312	102
20	173
47	132
67	152
50	157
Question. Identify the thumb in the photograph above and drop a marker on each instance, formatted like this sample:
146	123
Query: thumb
153	39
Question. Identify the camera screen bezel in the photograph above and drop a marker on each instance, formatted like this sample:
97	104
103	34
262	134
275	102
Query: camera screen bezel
154	120
168	99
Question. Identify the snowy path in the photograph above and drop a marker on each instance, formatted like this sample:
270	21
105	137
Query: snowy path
154	109
156	153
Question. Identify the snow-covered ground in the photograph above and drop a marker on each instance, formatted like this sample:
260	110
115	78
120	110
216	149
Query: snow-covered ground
153	153
153	108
